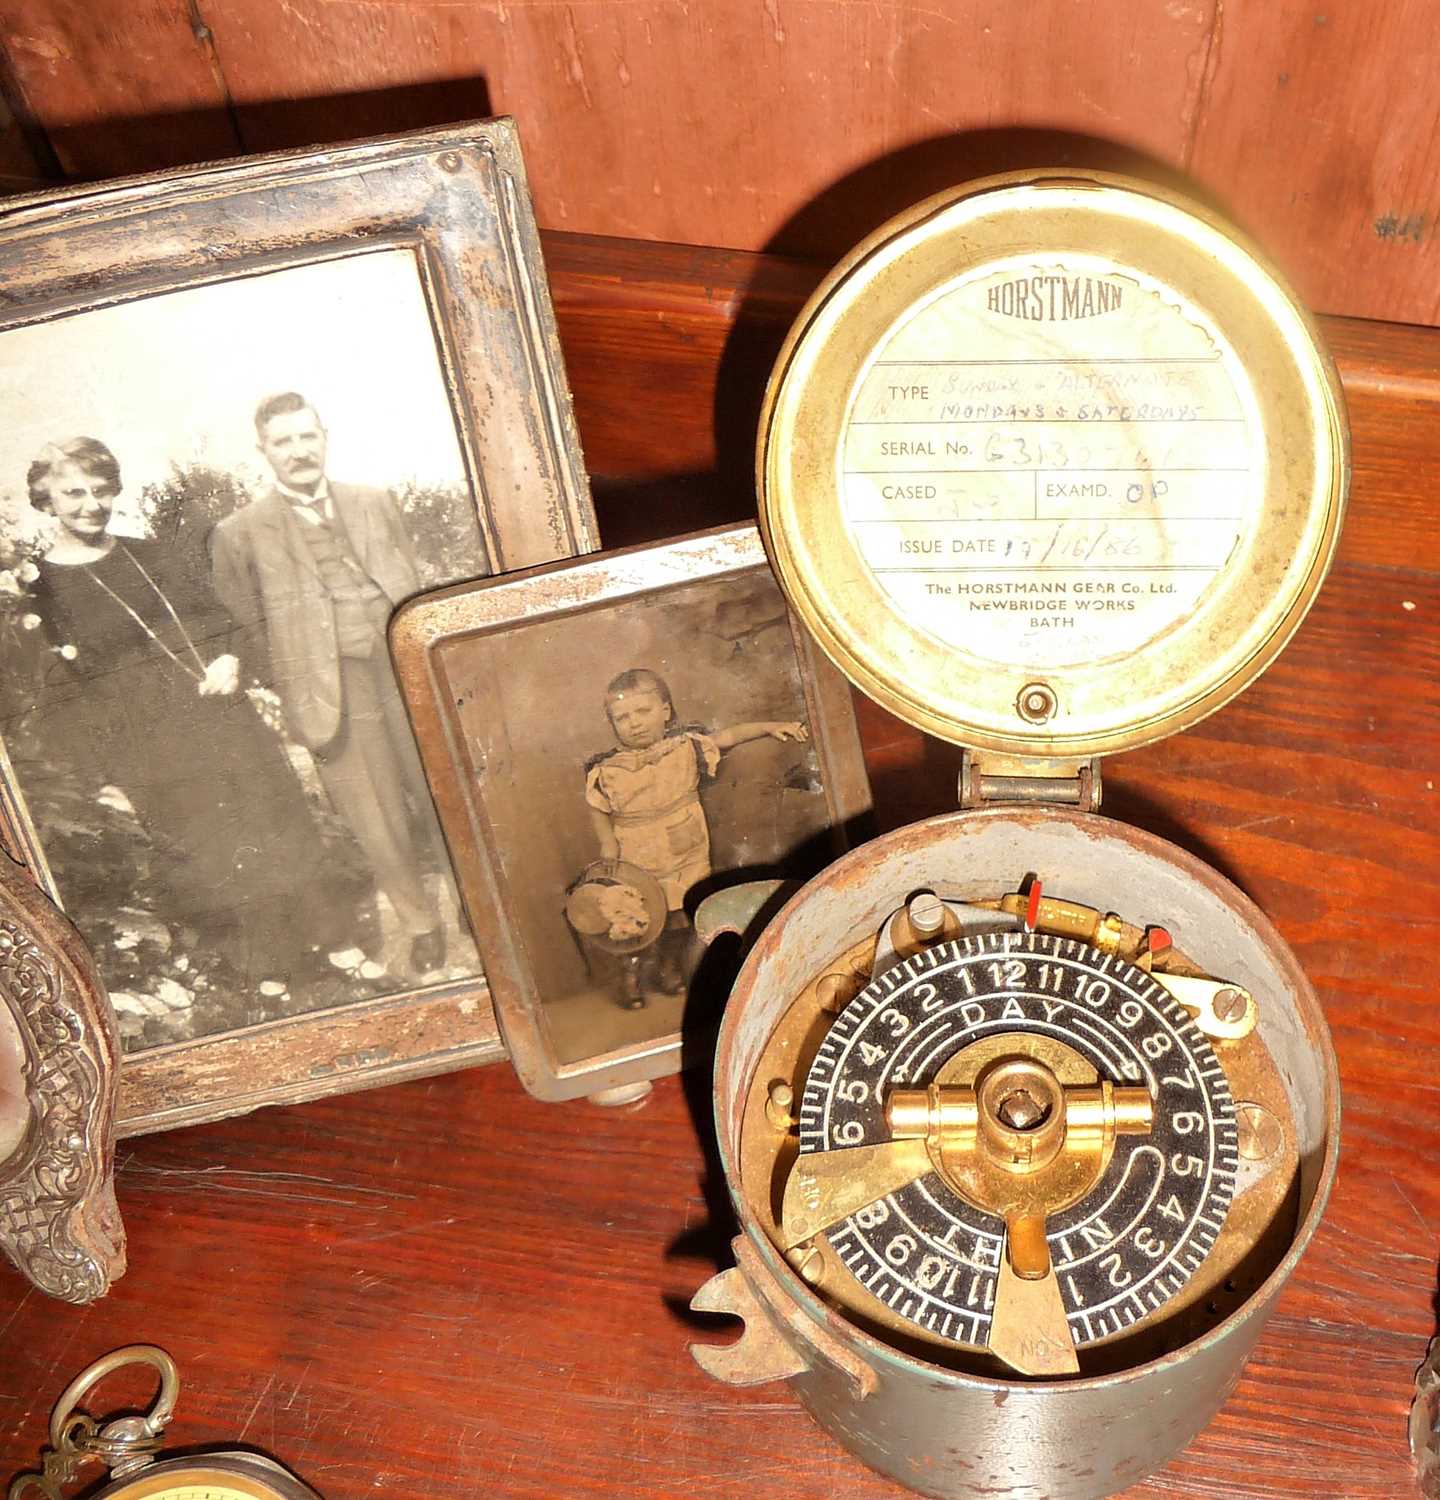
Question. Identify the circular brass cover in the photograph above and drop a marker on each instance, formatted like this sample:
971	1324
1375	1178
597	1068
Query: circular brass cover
1052	464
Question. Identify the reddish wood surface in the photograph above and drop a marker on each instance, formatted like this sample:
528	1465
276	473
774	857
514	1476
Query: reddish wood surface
796	125
448	1288
137	81
1335	164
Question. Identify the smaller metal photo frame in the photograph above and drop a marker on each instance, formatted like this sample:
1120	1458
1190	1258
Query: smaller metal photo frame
607	742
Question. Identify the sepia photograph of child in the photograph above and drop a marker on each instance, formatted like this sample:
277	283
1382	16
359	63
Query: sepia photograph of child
644	799
210	504
630	760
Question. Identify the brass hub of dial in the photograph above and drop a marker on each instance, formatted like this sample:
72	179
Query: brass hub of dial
1015	1140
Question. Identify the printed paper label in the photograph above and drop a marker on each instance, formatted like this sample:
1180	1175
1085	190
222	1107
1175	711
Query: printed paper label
1050	464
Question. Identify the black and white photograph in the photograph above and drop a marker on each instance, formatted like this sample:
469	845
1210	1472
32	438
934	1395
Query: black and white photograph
211	502
631	763
611	741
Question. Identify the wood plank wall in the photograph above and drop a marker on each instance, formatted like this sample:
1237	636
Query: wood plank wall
795	125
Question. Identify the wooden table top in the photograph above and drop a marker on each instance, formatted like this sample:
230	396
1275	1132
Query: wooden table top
449	1288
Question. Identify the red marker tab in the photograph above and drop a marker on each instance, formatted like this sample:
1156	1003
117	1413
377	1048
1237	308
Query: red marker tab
1032	908
1158	940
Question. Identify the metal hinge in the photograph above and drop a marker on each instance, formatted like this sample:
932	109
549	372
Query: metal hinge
987	780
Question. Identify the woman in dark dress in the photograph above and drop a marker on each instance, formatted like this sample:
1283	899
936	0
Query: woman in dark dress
153	702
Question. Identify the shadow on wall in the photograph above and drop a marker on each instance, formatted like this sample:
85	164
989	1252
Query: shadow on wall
818	234
849	209
132	144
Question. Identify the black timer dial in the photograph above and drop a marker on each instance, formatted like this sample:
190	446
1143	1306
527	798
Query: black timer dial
1133	1241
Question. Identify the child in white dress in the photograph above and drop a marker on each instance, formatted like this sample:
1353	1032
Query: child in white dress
644	800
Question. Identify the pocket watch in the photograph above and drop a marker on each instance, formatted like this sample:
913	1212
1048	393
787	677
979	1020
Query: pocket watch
1027	1116
129	1448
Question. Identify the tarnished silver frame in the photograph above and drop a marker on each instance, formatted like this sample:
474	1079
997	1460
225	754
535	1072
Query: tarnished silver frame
458	199
613	581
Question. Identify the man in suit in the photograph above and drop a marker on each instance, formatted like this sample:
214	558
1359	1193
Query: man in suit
315	569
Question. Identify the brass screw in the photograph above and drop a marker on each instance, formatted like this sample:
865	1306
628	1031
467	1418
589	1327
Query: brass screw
778	1102
809	1263
835	991
1260	1133
926	912
1229	1005
1021	1110
1036	702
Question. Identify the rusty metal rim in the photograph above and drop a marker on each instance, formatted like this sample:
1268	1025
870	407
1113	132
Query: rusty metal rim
1311	1016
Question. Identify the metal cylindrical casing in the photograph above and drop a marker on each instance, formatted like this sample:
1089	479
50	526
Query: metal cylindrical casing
952	1435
